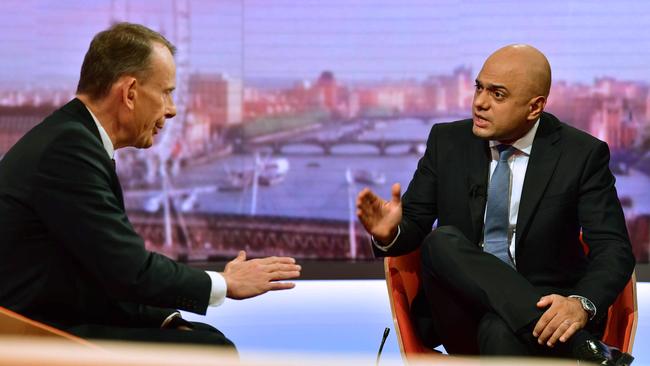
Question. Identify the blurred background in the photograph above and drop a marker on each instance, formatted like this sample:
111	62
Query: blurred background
287	108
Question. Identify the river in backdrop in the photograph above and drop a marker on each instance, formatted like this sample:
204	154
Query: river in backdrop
319	186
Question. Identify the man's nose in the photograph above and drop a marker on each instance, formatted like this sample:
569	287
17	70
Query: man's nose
170	111
480	100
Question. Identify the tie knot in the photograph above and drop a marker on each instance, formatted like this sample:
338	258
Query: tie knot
505	151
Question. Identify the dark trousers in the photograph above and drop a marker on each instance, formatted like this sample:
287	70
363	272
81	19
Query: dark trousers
201	334
479	304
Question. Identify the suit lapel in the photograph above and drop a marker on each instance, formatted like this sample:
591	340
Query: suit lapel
117	189
478	164
543	159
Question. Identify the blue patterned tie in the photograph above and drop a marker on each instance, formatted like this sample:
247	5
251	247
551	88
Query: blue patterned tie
497	219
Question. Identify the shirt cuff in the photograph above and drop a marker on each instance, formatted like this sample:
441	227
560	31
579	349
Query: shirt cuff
219	288
384	248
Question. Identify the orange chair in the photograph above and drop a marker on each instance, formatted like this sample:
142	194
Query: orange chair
622	318
403	282
14	324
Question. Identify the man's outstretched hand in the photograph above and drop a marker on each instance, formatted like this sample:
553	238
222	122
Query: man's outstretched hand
380	217
249	278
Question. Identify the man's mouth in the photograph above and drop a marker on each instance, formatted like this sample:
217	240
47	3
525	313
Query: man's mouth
480	121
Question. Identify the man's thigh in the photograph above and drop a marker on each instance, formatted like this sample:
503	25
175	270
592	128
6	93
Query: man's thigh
479	278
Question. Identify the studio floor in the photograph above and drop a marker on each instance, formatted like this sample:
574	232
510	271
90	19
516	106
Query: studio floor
342	316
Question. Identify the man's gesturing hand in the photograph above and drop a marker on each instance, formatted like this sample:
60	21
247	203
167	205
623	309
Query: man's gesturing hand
562	319
249	278
380	217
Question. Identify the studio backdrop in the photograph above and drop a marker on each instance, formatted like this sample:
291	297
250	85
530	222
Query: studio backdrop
288	108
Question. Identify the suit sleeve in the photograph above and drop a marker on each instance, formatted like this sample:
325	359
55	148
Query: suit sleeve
419	206
143	315
74	198
611	261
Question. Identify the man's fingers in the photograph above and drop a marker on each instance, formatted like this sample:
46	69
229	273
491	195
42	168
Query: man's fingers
368	209
284	275
277	260
570	332
369	203
274	286
542	323
364	209
559	331
362	214
547	332
282	267
363	195
546	318
366	198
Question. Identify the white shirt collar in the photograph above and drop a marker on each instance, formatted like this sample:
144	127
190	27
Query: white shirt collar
525	143
106	141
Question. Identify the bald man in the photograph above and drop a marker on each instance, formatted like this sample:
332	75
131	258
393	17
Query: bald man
512	189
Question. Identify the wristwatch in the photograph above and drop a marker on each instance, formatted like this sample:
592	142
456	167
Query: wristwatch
587	305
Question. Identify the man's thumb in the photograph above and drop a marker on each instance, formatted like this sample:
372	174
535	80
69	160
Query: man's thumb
396	192
544	301
241	256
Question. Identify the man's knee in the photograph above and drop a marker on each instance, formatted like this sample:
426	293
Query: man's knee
211	335
217	339
439	244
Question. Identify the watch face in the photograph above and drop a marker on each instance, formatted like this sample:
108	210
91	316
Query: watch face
588	306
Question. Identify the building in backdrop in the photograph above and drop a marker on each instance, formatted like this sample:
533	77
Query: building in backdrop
288	108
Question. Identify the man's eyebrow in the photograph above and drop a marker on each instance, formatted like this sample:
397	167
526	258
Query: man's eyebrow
491	86
497	86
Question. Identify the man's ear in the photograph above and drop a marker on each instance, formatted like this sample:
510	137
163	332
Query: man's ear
536	107
129	92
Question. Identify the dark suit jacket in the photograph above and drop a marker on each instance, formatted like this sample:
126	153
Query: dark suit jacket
568	187
68	253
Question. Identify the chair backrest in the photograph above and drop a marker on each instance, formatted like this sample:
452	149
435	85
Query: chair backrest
403	282
622	315
622	318
14	324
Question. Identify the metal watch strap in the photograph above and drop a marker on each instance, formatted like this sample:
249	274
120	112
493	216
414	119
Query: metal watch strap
587	305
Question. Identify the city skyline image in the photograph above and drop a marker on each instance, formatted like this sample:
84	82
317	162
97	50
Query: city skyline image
288	108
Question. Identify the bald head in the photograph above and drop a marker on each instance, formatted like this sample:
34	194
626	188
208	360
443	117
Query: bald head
511	92
527	65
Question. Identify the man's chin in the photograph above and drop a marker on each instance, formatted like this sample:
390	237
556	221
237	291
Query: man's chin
144	144
481	132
